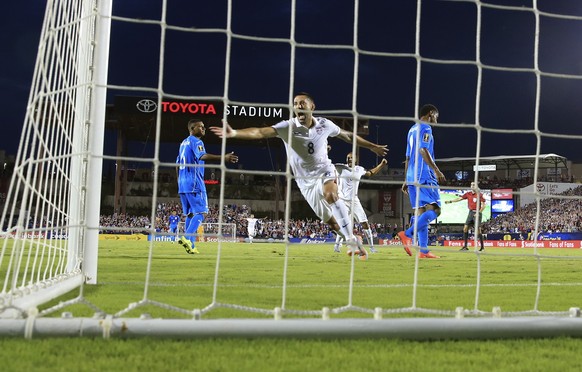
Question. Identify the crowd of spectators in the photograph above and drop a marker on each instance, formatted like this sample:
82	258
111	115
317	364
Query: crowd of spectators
122	223
494	182
489	183
119	223
556	215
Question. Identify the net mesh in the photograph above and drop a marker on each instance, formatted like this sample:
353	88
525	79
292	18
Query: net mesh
43	245
40	208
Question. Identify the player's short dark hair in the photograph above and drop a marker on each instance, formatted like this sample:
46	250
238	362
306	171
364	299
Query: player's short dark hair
192	122
304	94
426	109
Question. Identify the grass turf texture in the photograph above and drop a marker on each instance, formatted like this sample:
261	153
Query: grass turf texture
316	277
252	275
84	354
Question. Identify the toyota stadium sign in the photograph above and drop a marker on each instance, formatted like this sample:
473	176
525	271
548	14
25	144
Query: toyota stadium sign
150	105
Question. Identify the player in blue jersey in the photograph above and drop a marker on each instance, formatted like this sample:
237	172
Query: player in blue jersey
173	221
191	187
421	184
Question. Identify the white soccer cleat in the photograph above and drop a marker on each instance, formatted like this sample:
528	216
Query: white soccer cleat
362	254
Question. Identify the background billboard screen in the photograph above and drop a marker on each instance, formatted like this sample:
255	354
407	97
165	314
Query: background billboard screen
456	213
502	206
502	194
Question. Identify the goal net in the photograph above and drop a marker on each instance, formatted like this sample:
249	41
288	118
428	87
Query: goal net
50	217
53	239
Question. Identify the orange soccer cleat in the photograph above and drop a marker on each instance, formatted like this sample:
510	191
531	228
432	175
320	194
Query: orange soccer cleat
427	255
357	248
362	253
406	242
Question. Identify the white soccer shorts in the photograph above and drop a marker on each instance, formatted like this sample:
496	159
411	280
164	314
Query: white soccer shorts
359	214
312	190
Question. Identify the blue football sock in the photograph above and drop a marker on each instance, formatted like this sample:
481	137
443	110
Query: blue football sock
423	240
423	222
187	223
192	227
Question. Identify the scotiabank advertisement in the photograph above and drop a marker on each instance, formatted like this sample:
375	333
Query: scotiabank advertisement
576	244
519	243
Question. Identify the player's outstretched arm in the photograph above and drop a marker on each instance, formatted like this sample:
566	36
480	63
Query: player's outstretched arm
457	199
228	158
376	169
380	150
244	134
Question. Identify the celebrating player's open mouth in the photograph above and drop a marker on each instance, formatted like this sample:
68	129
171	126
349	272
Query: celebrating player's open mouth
301	116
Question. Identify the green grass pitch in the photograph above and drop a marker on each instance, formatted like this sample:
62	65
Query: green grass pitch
252	275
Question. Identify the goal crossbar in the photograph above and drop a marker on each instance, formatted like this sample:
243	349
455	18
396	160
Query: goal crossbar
405	329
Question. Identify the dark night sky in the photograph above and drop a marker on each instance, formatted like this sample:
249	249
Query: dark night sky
259	72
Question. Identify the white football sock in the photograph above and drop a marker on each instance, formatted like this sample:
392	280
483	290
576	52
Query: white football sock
369	236
341	215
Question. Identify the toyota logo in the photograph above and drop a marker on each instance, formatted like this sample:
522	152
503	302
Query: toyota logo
146	105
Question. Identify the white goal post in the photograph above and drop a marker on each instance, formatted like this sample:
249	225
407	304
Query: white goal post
51	217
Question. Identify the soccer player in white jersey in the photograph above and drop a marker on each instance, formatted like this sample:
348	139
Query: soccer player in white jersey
348	185
305	138
252	227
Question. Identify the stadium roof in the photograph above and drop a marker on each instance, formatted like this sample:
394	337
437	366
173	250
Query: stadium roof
503	162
